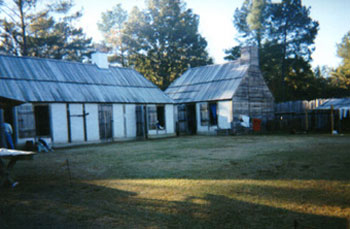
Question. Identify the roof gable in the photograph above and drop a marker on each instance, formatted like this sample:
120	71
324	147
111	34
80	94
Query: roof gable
208	83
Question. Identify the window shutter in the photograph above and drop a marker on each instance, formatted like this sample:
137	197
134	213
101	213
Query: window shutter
26	121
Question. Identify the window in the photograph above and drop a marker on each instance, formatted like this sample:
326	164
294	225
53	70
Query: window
208	113
42	120
152	117
204	114
156	117
26	121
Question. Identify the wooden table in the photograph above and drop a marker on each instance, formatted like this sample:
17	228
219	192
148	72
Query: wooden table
13	156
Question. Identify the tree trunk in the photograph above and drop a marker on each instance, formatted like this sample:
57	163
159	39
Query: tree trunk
283	62
23	27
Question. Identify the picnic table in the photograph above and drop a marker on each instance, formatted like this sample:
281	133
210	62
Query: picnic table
13	156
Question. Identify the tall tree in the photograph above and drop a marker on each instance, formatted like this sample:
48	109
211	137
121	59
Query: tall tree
341	76
163	40
255	20
284	33
45	31
111	26
292	28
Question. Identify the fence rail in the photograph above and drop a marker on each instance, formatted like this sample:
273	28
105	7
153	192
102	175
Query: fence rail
299	106
302	115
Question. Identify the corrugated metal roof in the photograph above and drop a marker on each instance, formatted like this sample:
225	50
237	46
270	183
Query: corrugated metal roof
207	83
343	103
46	80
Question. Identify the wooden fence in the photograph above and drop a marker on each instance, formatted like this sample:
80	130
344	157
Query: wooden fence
302	115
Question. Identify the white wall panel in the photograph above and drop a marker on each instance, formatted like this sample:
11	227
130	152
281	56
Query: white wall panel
76	122
92	126
118	121
224	114
169	118
59	122
130	113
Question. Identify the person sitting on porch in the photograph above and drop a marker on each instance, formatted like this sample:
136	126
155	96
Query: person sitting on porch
159	127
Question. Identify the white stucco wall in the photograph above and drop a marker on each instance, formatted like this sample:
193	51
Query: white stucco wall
118	121
224	114
130	114
169	119
92	126
76	123
58	122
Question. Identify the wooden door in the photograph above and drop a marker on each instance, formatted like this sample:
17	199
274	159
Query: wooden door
140	121
105	116
182	118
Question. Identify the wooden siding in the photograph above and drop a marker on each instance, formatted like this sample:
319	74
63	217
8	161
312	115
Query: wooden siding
252	98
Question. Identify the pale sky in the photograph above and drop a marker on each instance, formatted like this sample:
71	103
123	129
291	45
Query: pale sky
216	23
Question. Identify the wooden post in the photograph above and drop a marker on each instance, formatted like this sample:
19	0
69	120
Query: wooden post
68	169
84	122
69	130
339	121
296	224
332	119
2	132
306	120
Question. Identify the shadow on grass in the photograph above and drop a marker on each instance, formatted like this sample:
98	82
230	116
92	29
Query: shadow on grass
54	205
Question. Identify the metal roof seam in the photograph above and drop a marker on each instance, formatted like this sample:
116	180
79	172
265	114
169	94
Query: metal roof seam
75	82
206	82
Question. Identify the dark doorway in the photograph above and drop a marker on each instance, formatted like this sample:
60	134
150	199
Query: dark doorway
8	115
141	127
213	117
42	120
105	121
191	118
161	117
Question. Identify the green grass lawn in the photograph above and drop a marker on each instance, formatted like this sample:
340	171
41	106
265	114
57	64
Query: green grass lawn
186	182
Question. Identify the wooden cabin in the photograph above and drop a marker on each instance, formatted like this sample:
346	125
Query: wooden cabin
221	97
74	103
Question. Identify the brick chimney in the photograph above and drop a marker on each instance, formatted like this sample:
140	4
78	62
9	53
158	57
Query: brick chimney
100	59
249	55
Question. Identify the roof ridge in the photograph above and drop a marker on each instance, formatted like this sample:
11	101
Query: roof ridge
76	82
211	65
62	61
42	58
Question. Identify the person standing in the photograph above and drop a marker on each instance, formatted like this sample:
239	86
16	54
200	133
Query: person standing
8	135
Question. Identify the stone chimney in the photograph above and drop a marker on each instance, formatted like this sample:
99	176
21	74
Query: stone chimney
249	55
100	59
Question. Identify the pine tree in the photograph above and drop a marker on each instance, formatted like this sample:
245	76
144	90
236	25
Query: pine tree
111	25
163	41
285	34
47	31
341	76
